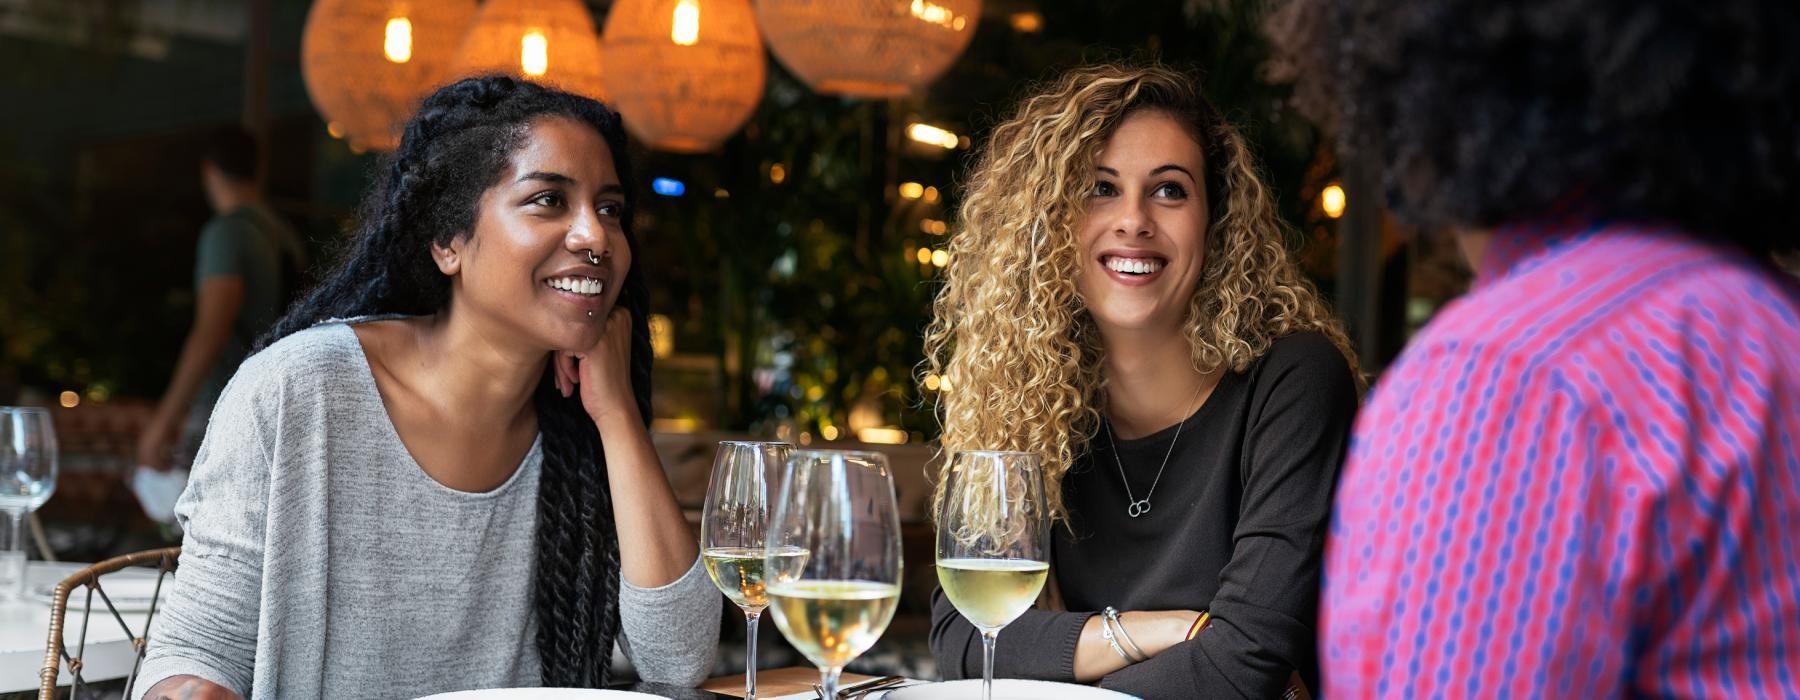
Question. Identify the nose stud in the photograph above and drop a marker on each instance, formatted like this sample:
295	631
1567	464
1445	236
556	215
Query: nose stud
592	260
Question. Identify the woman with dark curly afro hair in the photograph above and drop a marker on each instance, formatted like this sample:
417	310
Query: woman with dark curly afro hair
1583	478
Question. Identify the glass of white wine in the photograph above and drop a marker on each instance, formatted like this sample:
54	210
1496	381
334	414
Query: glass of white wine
993	542
834	603
733	531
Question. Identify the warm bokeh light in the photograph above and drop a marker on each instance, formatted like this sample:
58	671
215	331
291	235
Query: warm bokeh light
936	136
931	194
924	256
911	190
681	424
933	382
934	13
1332	200
777	173
882	436
940	258
398	42
662	336
686	27
1027	22
70	399
534	54
829	432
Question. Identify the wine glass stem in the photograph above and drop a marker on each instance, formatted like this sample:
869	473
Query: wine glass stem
750	619
13	555
828	680
987	663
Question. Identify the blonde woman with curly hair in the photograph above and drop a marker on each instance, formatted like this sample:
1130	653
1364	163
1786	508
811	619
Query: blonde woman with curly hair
1120	302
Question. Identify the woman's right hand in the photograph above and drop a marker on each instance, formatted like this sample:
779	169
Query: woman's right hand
190	688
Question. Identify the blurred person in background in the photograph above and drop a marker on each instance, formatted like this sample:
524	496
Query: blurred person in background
247	266
1582	479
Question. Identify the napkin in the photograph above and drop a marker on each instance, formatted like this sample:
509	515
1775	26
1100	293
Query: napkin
157	491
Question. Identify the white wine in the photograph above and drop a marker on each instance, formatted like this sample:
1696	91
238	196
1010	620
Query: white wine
832	622
738	571
992	592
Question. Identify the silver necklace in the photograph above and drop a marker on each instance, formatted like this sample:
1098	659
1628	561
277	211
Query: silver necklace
1137	507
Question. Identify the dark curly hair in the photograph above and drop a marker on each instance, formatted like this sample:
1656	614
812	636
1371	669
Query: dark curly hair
453	150
1483	112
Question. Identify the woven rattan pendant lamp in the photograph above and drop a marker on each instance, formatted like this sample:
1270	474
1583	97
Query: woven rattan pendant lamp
547	41
367	63
685	73
868	48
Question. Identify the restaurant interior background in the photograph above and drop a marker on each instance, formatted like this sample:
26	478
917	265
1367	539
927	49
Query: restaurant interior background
791	228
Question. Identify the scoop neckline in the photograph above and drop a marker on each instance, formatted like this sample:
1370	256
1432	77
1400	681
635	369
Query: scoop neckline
391	432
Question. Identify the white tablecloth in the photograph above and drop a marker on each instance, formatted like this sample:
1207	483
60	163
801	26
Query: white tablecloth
25	625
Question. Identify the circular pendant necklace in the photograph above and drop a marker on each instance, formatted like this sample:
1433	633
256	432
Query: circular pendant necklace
1137	507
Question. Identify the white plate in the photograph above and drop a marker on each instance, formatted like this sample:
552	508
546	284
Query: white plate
541	694
1004	689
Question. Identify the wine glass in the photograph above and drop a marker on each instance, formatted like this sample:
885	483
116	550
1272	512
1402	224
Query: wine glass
732	530
27	478
834	603
993	542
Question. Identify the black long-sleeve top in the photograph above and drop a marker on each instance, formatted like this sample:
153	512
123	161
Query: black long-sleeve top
1237	526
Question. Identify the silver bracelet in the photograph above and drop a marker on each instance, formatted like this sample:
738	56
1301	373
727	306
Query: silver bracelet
1126	636
1109	618
1106	632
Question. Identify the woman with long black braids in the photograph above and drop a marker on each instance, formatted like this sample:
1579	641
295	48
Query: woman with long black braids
437	475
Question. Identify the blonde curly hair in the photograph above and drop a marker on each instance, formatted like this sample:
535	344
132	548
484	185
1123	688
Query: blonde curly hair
1011	336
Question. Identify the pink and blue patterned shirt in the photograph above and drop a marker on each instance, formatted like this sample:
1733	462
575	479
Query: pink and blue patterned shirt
1582	480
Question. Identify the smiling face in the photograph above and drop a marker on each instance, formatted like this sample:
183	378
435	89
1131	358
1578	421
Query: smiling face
526	267
1143	230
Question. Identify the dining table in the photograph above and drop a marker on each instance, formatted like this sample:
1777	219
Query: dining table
25	627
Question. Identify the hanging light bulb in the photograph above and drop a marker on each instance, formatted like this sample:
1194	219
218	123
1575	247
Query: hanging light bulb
367	63
534	54
685	79
686	30
397	44
547	41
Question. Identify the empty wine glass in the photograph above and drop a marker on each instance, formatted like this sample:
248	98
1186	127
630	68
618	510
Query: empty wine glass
27	478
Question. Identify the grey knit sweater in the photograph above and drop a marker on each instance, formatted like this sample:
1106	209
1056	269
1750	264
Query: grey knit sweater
321	561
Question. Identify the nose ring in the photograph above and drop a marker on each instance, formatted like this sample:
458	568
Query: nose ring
592	258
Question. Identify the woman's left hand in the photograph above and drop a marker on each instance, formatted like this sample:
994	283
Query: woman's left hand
603	373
